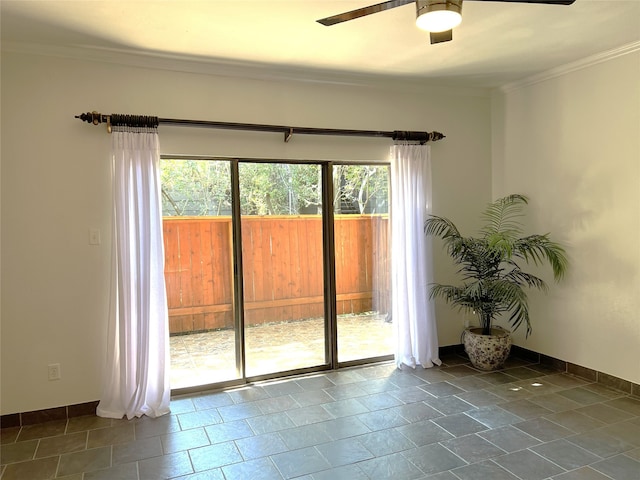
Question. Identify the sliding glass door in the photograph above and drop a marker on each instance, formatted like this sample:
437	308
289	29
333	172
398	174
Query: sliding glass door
274	267
282	263
197	230
361	231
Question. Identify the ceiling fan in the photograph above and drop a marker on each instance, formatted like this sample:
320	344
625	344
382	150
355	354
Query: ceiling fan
438	17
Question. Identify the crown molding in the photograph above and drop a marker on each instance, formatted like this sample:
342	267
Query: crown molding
572	67
240	69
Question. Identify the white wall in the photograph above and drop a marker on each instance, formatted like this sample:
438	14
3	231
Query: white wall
55	186
572	143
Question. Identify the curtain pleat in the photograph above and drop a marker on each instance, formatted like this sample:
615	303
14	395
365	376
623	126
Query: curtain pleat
136	380
413	313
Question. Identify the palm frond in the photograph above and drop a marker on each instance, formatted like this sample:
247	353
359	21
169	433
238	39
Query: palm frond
502	216
537	248
519	309
440	227
524	278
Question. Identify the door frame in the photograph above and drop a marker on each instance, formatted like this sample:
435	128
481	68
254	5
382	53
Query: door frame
329	274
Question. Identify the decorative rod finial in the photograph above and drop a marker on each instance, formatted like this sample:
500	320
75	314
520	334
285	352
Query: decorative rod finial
91	117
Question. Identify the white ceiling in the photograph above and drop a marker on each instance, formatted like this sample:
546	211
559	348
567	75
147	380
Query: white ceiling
496	43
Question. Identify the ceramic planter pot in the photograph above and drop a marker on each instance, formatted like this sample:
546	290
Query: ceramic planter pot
487	352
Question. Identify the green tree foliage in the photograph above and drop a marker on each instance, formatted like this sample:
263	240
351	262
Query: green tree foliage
195	187
203	188
361	189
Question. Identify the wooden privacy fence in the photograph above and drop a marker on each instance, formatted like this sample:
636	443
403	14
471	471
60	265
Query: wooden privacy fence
283	268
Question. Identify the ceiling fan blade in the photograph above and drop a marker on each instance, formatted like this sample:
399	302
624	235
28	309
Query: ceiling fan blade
545	2
439	37
361	12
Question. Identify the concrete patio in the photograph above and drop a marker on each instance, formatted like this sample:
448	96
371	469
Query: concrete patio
205	358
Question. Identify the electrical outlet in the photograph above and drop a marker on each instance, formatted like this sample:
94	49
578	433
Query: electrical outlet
54	371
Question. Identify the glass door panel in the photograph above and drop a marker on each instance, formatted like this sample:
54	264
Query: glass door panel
361	230
197	233
282	263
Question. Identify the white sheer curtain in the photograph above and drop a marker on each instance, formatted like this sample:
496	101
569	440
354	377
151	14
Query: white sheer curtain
413	313
136	379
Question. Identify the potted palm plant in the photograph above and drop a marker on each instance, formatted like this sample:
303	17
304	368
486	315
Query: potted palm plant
493	281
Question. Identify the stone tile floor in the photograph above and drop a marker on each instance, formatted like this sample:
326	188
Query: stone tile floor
373	422
205	358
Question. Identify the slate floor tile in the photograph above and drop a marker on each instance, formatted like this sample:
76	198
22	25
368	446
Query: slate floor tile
459	424
391	467
308	415
601	444
346	472
424	433
628	404
555	402
449	405
582	396
480	398
344	452
271	422
473	448
304	436
483	471
164	467
19	452
136	450
111	435
224	432
620	467
528	465
509	438
493	416
441	389
433	458
300	462
379	401
258	469
543	429
260	446
575	421
343	427
62	444
416	412
382	419
185	440
343	408
525	409
584	473
214	456
42	430
565	454
386	442
40	469
626	431
605	413
208	401
126	471
84	461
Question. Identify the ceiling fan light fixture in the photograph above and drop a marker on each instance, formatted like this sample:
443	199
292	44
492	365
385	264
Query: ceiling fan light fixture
438	15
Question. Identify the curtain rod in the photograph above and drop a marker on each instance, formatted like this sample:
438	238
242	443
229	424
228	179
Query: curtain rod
148	121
